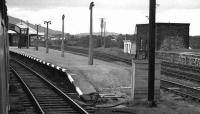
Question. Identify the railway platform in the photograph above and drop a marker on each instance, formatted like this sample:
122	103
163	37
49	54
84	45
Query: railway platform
102	76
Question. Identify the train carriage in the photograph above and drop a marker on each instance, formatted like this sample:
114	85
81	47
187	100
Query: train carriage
4	64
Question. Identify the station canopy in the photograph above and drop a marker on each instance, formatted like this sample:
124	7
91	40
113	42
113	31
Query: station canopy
11	32
32	31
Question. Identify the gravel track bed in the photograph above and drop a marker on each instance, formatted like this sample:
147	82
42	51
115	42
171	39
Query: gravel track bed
18	99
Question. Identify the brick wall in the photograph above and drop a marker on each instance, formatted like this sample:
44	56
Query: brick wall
179	32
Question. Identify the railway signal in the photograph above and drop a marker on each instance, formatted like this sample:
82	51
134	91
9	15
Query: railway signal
63	34
151	67
37	40
90	62
47	22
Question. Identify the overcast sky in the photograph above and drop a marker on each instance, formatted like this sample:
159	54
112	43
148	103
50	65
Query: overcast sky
121	15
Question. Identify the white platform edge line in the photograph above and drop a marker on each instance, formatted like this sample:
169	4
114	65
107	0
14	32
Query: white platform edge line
57	67
63	69
79	91
70	77
48	64
77	88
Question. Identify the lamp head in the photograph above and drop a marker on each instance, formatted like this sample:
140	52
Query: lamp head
63	17
91	5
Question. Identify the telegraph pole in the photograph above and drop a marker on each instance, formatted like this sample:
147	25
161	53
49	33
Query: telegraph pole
104	34
47	22
101	26
90	62
63	34
20	22
45	35
37	40
156	30
151	72
28	34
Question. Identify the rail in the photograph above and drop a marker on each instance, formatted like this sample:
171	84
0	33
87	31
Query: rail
54	92
28	91
181	89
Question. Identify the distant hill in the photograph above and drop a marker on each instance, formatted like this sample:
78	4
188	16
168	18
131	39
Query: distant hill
195	37
15	20
97	33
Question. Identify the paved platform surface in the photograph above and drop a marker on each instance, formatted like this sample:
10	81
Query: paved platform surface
104	75
90	78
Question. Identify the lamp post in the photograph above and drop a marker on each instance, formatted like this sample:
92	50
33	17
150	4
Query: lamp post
101	26
28	34
37	40
47	22
104	34
151	67
63	34
90	62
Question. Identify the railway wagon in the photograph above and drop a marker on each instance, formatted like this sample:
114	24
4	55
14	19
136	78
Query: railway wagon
4	64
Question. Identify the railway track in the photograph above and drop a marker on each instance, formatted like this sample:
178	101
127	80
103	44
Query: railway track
181	71
21	102
57	77
47	97
180	74
181	89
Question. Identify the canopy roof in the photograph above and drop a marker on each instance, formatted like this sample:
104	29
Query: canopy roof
32	31
11	32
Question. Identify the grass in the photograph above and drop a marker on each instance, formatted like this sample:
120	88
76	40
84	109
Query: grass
112	51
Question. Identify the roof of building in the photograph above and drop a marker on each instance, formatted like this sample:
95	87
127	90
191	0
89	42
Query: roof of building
166	24
31	30
11	32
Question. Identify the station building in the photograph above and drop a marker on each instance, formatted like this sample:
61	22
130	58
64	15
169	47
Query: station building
18	34
169	36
